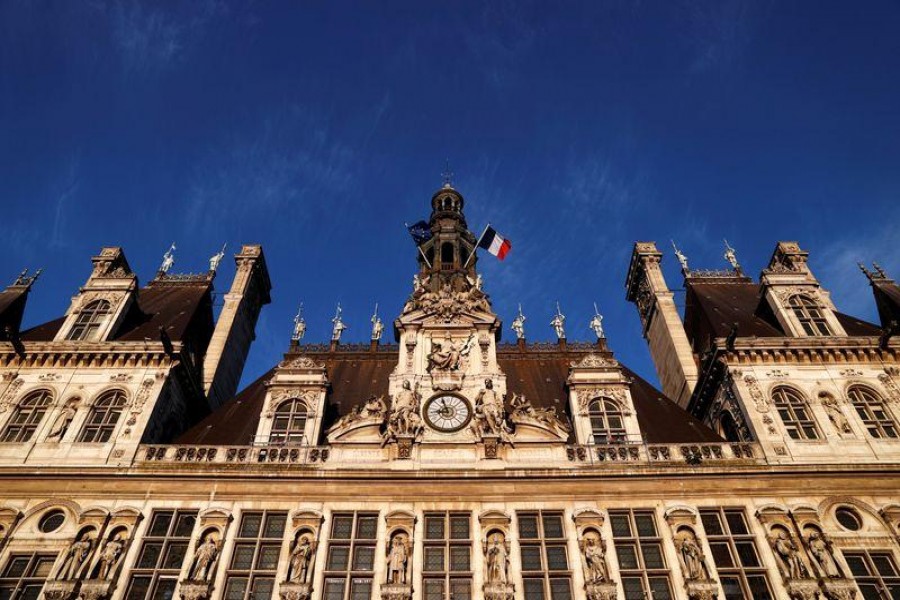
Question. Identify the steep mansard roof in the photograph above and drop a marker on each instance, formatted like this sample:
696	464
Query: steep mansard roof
712	308
182	309
537	371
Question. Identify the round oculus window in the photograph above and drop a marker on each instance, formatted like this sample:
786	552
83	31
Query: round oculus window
52	521
848	518
447	413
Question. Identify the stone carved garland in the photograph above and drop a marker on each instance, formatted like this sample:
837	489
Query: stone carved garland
6	401
756	394
891	387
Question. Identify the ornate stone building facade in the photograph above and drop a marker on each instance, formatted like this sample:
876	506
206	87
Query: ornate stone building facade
449	465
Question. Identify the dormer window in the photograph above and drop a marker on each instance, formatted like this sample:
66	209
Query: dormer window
289	424
810	316
89	322
607	421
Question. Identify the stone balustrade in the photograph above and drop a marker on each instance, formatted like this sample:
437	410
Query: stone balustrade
295	455
653	454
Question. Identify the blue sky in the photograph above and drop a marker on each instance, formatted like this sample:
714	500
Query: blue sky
318	128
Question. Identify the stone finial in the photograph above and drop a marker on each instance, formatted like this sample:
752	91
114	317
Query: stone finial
596	323
681	259
731	256
377	325
338	326
299	325
168	259
559	323
518	325
216	260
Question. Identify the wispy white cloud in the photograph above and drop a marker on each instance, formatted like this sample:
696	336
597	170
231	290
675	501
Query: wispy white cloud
719	31
293	154
498	39
836	264
67	190
150	37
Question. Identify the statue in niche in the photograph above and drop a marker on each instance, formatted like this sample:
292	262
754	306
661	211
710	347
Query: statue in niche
820	550
76	557
834	412
301	555
204	559
63	420
594	553
110	556
691	555
446	355
497	560
788	556
398	557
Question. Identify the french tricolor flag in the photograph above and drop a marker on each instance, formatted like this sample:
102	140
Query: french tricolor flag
494	243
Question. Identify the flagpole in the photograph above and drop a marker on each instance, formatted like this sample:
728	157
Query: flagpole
419	248
480	237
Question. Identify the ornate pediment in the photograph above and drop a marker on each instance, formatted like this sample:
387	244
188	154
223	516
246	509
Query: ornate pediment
594	361
300	362
446	304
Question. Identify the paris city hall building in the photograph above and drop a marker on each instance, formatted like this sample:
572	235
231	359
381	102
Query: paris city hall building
447	465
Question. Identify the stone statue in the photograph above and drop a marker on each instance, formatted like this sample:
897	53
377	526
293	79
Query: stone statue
595	567
681	258
418	284
597	323
76	557
835	414
691	555
496	560
374	407
446	355
398	557
377	325
109	557
518	325
559	323
63	420
168	259
338	326
491	410
820	550
404	419
731	256
479	281
299	325
204	560
216	259
788	556
301	555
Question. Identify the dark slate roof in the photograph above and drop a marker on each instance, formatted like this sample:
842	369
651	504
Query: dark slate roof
184	310
712	308
12	307
538	374
887	299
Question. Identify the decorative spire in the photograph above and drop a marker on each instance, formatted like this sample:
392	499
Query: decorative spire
24	279
338	326
377	325
876	274
168	259
447	175
518	325
597	323
682	259
731	256
559	323
216	260
299	325
879	270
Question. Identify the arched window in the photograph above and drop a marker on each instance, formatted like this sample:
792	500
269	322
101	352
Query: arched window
89	321
795	414
870	408
607	423
289	423
27	416
103	417
810	315
446	255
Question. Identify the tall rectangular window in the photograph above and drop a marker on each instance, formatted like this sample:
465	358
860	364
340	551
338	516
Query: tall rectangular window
350	563
254	560
545	562
641	561
735	554
162	555
24	576
447	569
875	573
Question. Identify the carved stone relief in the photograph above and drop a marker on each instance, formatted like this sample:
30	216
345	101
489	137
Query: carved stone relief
756	394
892	389
10	393
835	414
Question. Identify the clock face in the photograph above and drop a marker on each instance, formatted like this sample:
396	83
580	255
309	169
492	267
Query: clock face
447	413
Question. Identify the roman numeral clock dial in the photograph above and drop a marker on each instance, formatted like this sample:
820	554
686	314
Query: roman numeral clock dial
447	413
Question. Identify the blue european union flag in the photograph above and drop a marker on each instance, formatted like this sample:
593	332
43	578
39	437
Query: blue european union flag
421	232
